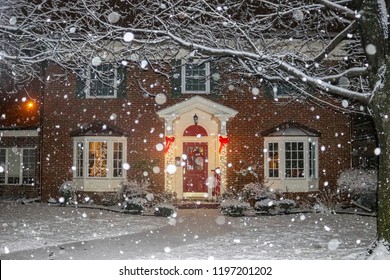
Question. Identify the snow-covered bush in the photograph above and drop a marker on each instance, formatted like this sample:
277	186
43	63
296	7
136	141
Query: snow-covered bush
360	185
287	204
133	188
67	193
256	191
164	209
271	206
328	201
233	207
135	205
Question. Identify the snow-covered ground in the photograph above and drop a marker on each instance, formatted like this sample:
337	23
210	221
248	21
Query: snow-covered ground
194	234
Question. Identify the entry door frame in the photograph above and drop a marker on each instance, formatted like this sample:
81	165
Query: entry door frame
195	168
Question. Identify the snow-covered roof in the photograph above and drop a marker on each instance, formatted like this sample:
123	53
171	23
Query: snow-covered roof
98	129
197	102
291	129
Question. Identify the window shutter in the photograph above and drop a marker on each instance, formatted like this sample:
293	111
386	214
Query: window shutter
176	77
121	80
215	78
80	86
269	92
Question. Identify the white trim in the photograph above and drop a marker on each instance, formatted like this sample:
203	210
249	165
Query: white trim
108	183
19	152
87	88
291	184
213	118
207	77
219	111
19	133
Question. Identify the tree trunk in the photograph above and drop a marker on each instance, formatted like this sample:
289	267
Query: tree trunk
380	106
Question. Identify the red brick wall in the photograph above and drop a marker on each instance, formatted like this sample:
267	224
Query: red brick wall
63	113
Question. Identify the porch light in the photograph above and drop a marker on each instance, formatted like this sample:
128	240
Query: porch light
196	119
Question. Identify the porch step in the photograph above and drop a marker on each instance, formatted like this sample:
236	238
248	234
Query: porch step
197	205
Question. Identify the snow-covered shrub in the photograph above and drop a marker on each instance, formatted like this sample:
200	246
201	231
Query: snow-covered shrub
133	188
287	204
256	191
265	205
269	205
164	209
135	205
360	185
328	201
233	207
67	193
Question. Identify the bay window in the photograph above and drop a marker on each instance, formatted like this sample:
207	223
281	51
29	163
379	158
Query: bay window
99	157
291	163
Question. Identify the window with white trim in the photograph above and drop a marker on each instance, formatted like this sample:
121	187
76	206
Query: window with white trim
17	166
99	157
102	82
196	77
291	158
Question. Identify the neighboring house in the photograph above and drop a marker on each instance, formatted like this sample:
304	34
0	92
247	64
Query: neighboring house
101	129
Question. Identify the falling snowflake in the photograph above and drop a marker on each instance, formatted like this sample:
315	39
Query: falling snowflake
114	17
370	49
171	168
167	250
96	61
377	151
128	37
159	147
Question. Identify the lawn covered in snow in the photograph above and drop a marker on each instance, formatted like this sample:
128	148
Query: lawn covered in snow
193	234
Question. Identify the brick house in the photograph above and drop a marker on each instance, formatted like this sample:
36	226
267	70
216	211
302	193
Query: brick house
135	124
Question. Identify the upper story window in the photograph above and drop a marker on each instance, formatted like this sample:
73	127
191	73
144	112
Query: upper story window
17	166
195	77
104	81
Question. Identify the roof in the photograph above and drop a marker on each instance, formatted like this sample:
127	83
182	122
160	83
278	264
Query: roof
197	102
291	129
98	129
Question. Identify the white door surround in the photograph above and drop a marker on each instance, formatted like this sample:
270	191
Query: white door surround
213	117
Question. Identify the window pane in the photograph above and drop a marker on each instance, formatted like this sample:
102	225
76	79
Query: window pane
294	165
102	81
2	165
79	159
195	77
312	160
97	159
118	160
273	160
13	166
28	166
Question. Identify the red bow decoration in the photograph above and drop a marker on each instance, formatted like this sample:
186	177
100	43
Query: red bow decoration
168	143
223	141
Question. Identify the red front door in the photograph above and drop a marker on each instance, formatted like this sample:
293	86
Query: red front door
195	169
